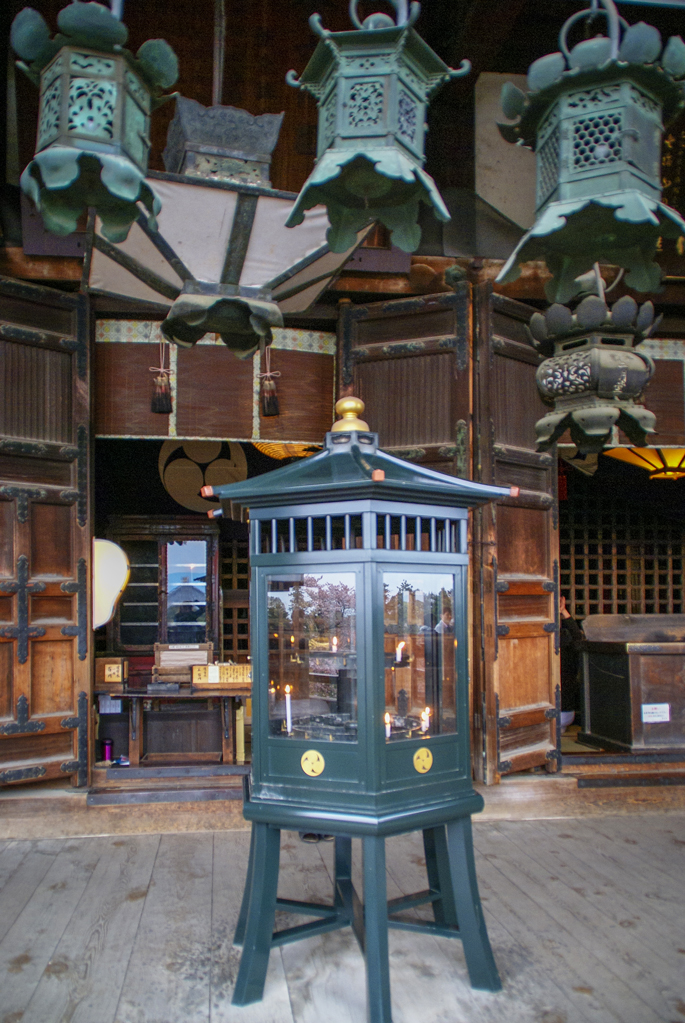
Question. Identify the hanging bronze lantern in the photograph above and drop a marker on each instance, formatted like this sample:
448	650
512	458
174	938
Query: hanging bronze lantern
595	117
372	86
594	377
94	120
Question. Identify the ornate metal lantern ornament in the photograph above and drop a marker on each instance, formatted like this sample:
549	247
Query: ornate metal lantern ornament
93	126
360	700
372	85
595	116
594	377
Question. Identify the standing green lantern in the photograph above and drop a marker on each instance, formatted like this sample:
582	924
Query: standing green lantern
360	703
94	120
373	86
595	117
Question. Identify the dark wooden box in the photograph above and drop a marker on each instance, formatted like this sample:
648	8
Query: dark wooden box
634	677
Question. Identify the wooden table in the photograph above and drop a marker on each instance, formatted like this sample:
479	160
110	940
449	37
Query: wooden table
136	698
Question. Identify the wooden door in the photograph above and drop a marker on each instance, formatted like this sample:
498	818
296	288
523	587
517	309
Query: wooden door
408	360
515	553
45	536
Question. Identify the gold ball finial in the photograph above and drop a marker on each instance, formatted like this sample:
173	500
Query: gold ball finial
350	409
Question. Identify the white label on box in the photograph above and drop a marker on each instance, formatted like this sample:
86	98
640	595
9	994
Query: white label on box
653	712
213	673
113	673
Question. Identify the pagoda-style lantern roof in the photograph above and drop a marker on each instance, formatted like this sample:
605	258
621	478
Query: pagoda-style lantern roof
352	467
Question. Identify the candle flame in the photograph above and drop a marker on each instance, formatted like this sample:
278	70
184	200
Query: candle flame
287	689
387	719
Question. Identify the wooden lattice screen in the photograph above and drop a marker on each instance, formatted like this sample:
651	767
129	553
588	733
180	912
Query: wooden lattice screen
619	559
235	578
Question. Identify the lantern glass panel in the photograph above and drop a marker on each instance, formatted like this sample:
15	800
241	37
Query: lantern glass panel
419	645
187	591
313	656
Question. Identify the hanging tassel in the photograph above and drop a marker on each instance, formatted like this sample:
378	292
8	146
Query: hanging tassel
161	392
269	397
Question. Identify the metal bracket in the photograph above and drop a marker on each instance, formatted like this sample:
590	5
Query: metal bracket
22	726
549	627
23	774
69	766
23	495
503	722
80	588
22	631
551	713
502	630
502	586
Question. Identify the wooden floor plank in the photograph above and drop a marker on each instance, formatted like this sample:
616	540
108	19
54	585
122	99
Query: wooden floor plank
13	852
586	840
28	946
582	948
532	978
83	979
24	878
617	886
620	934
658	847
167	979
230	864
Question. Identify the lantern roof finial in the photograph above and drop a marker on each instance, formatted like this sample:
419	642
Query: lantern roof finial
350	409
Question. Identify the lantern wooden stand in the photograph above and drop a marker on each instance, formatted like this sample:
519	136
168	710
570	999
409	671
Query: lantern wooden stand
360	701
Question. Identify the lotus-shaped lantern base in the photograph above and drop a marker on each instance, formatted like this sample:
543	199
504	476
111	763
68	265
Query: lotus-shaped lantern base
621	228
382	184
242	321
591	425
63	182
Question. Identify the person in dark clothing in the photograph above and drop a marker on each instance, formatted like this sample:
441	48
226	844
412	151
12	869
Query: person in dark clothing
570	640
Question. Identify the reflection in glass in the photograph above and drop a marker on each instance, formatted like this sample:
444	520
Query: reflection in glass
187	591
312	656
419	648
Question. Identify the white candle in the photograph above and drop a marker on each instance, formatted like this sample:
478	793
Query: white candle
425	719
288	712
334	644
387	726
398	651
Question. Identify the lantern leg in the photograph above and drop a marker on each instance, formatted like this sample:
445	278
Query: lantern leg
239	935
376	931
479	958
260	914
439	875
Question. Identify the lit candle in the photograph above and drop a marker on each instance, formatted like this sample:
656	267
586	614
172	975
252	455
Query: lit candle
292	641
334	644
398	651
387	726
288	712
425	719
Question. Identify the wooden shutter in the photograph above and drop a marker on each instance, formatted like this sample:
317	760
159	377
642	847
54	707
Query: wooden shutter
408	359
45	539
516	562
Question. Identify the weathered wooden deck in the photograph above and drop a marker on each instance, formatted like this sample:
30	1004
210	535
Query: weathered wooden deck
586	917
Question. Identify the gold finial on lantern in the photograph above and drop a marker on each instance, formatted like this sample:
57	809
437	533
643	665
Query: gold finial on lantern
350	409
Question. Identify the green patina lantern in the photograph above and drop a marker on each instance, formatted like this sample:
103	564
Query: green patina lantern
360	693
94	120
595	117
373	86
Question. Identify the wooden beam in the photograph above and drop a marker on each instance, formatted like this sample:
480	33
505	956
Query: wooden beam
13	263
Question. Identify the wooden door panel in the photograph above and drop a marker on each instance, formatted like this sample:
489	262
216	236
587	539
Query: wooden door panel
515	554
408	360
44	535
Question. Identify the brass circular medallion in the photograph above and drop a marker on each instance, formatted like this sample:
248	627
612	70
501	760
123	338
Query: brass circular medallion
423	760
312	763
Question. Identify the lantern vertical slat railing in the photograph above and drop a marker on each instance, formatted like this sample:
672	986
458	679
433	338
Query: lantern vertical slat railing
257	534
347	532
329	533
310	533
418	533
388	532
274	536
403	532
463	536
433	534
291	536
